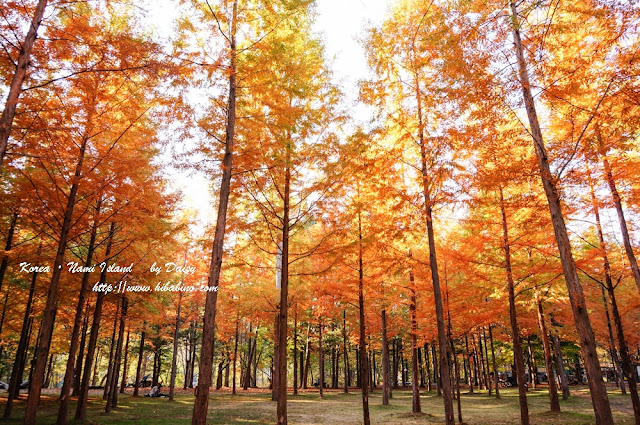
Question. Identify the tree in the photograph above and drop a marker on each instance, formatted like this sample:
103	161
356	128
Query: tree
206	351
400	60
581	316
9	111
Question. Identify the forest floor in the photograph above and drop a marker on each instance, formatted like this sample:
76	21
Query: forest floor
256	407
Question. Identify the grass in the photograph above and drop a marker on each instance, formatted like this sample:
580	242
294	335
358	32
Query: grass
256	407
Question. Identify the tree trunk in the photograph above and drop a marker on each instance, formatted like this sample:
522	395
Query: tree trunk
394	377
295	351
465	365
5	259
139	367
2	317
107	385
256	358
125	366
193	346
243	362
477	354
51	306
155	372
436	370
50	363
435	279
338	355
612	345
495	366
208	332
386	387
227	368
548	363
415	389
226	371
334	366
4	312
478	367
23	360
405	369
471	368
486	356
15	88
34	357
627	366
607	273
301	367
345	351
421	368
564	382
533	375
81	408
485	378
275	376
371	367
174	358
320	360
253	347
428	366
189	350
77	323
586	341
284	296
457	374
21	352
235	357
112	399
306	361
219	376
633	263
515	331
94	377
578	369
77	374
363	353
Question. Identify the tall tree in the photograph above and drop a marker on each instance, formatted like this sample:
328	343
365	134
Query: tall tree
581	316
399	58
206	351
15	87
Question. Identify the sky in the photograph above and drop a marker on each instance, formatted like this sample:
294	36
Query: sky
340	22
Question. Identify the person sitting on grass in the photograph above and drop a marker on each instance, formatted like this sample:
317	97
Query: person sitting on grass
155	392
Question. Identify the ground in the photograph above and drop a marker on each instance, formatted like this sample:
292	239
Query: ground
256	407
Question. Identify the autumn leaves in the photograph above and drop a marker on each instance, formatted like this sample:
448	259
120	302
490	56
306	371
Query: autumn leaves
456	74
461	204
79	173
